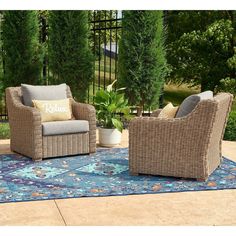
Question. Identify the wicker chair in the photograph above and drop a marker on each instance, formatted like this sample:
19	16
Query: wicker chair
188	147
27	136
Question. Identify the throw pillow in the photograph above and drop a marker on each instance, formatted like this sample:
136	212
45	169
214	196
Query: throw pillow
169	111
191	102
51	92
54	110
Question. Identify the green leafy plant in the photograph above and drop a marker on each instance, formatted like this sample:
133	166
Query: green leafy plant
4	131
230	131
110	105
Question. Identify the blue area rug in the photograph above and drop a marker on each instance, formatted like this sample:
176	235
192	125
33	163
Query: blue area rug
104	173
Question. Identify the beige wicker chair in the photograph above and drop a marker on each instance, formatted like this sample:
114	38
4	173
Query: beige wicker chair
187	147
27	136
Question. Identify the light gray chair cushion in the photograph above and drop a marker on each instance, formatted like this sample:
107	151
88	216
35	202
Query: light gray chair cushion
191	102
50	92
65	127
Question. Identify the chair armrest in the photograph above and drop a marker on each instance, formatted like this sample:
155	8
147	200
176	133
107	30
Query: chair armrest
154	123
26	113
156	113
171	131
25	127
83	111
184	139
153	133
160	143
19	112
181	147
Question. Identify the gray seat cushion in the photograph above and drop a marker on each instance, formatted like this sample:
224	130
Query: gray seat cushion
51	92
65	127
191	102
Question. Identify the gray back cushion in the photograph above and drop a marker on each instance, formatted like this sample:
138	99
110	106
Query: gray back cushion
191	102
51	92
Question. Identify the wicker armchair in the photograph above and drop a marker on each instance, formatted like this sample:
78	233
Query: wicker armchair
188	147
27	136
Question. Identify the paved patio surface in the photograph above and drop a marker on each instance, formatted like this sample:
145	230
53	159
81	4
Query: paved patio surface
188	208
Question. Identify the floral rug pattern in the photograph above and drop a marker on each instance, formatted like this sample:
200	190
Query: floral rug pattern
104	173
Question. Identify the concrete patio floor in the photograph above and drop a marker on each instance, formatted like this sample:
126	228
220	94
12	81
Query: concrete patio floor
188	208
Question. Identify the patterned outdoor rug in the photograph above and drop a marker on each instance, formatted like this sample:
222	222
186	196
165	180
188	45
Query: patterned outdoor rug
104	173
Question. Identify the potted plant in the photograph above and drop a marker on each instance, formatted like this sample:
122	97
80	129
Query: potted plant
111	107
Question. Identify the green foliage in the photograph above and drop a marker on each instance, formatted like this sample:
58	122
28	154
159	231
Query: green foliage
108	104
230	131
142	63
1	58
228	84
203	51
70	58
180	22
4	131
23	54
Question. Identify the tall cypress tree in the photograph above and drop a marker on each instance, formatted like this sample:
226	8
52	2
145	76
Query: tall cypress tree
22	51
142	62
1	56
70	58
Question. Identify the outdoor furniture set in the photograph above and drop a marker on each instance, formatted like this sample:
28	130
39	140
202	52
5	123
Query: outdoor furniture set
186	145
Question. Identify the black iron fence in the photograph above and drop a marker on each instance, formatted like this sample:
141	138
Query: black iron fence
105	34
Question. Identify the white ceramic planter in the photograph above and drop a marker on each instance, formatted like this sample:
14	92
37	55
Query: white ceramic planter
109	137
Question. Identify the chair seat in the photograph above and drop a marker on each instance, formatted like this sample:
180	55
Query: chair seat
65	127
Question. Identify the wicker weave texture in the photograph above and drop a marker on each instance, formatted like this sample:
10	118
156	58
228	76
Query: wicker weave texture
26	130
62	145
87	112
182	147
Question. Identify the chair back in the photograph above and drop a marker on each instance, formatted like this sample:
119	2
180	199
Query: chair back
14	94
224	102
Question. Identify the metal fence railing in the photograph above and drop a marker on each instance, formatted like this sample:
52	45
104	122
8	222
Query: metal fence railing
105	34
